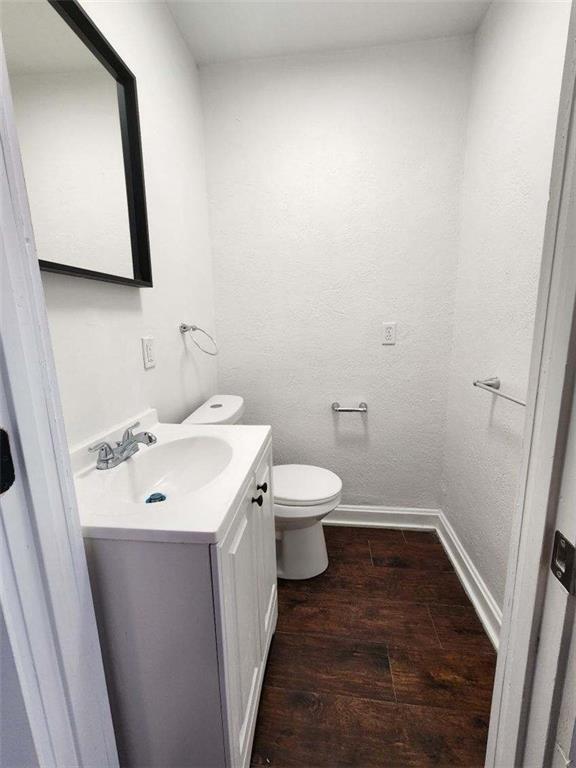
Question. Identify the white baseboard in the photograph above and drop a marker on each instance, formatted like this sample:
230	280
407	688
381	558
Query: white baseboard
482	599
480	596
384	517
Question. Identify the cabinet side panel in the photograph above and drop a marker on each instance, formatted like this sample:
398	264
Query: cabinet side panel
156	624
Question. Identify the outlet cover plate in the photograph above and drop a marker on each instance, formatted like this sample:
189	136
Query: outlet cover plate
148	356
388	333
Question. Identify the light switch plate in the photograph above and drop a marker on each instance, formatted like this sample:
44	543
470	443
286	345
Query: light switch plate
148	352
388	333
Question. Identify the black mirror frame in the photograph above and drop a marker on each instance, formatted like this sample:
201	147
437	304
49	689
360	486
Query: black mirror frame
91	36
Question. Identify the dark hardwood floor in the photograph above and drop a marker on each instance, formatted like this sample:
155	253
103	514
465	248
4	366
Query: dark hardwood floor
380	661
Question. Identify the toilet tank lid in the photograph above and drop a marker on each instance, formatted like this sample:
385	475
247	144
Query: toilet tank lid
219	409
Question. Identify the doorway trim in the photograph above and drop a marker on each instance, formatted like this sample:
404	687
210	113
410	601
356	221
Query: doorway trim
44	585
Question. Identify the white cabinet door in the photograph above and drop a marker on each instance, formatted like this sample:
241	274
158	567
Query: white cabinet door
240	634
267	579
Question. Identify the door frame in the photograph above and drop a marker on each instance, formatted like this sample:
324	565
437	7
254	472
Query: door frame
44	585
550	392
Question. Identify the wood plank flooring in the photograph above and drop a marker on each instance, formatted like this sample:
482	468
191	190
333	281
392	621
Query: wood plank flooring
380	661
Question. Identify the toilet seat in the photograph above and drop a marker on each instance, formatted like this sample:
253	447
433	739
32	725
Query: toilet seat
302	485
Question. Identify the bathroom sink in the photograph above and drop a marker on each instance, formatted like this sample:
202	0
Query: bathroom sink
199	469
173	469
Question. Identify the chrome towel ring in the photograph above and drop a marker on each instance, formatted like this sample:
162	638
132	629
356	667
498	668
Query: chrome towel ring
185	328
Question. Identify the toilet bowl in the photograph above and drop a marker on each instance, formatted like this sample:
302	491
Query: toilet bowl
303	496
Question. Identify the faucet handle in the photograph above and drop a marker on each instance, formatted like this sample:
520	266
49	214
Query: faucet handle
128	431
105	450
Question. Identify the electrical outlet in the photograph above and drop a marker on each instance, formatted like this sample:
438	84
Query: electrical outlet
148	352
388	333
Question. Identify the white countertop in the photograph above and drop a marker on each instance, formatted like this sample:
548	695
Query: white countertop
201	516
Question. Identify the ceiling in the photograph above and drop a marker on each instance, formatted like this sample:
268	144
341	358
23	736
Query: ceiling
227	31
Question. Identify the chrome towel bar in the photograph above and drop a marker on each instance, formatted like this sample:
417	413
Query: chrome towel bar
493	385
362	408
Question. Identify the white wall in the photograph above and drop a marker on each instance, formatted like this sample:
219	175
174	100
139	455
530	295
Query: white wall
514	99
333	184
96	327
69	132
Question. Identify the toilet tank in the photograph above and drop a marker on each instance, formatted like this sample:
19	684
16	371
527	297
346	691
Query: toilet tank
219	409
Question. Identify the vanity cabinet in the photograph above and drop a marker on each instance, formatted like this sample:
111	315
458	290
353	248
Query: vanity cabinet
185	629
247	609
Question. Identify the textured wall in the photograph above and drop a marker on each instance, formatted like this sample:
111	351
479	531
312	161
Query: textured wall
333	184
515	88
96	327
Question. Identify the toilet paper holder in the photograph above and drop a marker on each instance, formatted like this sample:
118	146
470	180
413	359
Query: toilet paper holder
362	408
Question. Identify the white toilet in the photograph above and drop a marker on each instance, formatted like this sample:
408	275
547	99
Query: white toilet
303	496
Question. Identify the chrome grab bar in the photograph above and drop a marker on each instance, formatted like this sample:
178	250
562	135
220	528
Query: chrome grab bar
493	385
362	408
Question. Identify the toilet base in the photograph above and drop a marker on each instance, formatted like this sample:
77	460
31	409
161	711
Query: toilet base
301	552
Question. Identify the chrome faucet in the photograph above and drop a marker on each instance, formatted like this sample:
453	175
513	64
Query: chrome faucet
110	456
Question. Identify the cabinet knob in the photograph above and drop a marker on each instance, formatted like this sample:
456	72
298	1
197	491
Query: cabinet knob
258	500
263	487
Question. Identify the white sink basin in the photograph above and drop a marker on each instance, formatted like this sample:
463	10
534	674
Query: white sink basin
200	469
174	469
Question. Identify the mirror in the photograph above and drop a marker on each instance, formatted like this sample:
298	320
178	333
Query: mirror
76	115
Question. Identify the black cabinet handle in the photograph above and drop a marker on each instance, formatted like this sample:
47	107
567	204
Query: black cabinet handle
258	501
263	487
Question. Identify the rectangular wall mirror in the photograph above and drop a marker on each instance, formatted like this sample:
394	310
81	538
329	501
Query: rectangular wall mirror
77	118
